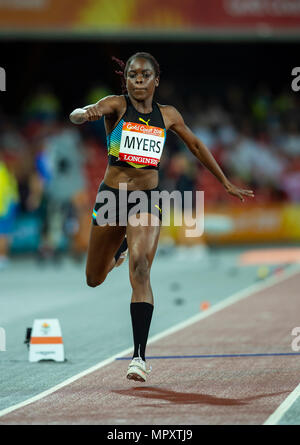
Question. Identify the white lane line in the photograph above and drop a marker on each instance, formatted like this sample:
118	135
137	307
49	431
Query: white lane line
64	383
273	280
283	408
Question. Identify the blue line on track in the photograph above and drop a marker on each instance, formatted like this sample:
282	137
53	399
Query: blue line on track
272	354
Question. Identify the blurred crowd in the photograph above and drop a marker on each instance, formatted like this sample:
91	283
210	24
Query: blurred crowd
50	169
255	138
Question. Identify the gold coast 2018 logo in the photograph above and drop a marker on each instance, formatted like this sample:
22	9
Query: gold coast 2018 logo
45	328
2	79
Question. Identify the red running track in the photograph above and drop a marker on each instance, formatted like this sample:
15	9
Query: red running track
193	391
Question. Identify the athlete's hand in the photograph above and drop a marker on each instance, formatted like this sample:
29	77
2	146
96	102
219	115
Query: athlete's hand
89	113
239	193
78	116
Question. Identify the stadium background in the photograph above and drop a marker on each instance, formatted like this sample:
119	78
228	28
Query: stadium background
226	66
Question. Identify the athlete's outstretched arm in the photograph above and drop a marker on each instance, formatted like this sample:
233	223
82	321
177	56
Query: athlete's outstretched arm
177	124
104	107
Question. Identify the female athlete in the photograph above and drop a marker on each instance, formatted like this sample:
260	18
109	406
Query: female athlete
136	129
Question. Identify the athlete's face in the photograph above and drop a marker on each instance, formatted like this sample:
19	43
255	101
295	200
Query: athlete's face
141	81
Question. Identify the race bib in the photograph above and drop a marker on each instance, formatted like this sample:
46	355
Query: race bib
141	144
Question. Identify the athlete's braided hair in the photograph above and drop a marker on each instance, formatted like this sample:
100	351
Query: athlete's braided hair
124	66
121	73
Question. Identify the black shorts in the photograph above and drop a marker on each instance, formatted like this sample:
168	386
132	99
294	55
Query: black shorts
115	206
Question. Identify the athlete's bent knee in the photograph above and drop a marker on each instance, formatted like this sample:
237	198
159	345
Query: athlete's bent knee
93	281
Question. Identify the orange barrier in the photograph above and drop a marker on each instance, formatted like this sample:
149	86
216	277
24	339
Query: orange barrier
226	224
270	256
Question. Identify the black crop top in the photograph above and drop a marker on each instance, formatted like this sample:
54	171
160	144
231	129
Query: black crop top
138	139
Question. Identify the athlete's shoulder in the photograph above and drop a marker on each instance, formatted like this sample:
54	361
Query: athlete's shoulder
164	107
169	110
170	115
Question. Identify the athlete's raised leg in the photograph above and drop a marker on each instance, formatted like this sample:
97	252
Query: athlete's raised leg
103	245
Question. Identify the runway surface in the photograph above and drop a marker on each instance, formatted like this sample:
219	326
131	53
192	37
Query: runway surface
230	364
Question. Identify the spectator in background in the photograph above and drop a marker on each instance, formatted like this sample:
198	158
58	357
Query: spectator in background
8	208
247	155
291	140
290	179
290	182
204	130
61	167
